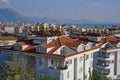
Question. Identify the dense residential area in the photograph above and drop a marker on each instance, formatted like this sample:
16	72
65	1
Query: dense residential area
45	51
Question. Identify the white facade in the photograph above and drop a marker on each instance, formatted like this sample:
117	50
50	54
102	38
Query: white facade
69	62
108	61
9	29
71	68
78	67
7	42
43	40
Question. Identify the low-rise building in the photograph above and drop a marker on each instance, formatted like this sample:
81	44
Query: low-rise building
7	40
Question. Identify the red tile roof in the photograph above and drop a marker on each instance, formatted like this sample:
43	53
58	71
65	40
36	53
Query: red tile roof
30	48
68	42
110	39
61	41
65	41
80	52
69	55
8	38
22	43
25	42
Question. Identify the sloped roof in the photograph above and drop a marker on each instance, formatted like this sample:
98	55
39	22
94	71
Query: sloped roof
61	41
25	42
65	41
30	48
110	39
8	38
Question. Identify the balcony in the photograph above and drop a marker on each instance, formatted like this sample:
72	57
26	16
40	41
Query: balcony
53	70
103	57
101	65
58	67
105	73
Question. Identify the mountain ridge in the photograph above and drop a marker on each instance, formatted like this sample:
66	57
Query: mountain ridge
10	15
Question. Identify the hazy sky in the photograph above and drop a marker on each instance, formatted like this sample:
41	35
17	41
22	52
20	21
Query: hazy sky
94	10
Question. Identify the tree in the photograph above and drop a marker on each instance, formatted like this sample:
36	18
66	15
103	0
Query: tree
10	73
6	34
96	76
47	78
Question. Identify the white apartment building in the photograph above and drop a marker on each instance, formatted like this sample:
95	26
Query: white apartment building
9	29
7	40
71	59
107	59
42	40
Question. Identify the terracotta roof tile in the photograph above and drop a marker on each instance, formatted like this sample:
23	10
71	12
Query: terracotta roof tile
22	43
30	48
25	42
76	53
61	41
8	38
110	39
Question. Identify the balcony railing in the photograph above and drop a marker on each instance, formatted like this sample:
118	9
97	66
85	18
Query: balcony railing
102	65
103	56
105	73
58	67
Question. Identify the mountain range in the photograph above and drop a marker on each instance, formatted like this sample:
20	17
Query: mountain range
10	15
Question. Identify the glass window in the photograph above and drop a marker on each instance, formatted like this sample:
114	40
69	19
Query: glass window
51	61
91	63
81	58
91	55
41	61
86	56
80	70
68	74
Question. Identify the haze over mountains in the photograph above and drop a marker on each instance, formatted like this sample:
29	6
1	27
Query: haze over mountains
10	15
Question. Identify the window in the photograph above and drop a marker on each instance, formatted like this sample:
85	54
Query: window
86	56
68	62
68	74
41	61
37	49
51	61
85	76
118	45
62	51
58	63
81	58
91	63
80	48
62	76
80	70
91	55
41	49
88	46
